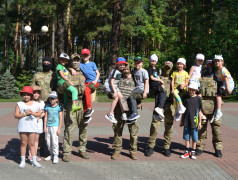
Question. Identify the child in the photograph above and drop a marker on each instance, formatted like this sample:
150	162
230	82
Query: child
156	85
92	75
208	72
65	83
191	119
37	98
225	84
111	88
179	83
52	126
141	89
26	112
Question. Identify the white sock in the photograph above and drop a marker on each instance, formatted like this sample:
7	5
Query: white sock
23	162
35	163
23	158
219	111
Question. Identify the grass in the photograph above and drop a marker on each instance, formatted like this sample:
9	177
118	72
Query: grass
231	99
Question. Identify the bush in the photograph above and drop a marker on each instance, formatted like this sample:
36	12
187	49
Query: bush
24	79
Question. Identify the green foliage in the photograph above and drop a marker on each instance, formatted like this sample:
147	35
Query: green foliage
24	79
8	87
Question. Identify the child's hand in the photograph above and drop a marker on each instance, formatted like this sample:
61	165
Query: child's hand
199	126
58	132
229	91
28	112
45	130
162	82
182	86
72	84
94	82
73	72
144	95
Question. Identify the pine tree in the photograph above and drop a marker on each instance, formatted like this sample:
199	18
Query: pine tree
8	87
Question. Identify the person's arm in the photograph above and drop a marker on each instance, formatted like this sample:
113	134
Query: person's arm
72	71
156	79
191	71
45	121
146	88
64	77
113	87
200	119
97	77
18	114
172	85
60	123
36	114
42	114
227	85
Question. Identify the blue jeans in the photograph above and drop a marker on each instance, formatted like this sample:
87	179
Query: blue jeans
188	132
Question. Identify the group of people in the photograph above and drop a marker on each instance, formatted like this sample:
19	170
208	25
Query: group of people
41	109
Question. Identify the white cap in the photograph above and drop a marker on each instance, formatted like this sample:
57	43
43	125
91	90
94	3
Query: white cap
53	94
64	55
200	56
193	85
154	57
182	60
218	57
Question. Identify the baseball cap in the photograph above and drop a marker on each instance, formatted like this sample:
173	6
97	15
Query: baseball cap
200	57
27	89
85	51
193	85
154	57
75	55
218	57
121	60
138	58
53	94
64	56
182	60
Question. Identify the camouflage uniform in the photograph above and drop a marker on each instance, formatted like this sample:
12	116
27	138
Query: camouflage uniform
71	120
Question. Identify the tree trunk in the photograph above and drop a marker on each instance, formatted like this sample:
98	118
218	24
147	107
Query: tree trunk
15	41
116	21
60	30
70	46
6	35
53	40
102	52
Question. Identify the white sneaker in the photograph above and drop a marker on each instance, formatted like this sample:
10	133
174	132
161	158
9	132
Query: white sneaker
177	116
111	118
181	109
159	111
36	164
218	116
213	117
48	158
55	160
124	117
158	118
22	164
204	117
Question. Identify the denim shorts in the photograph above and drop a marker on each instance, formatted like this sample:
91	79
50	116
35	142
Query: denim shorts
231	85
187	132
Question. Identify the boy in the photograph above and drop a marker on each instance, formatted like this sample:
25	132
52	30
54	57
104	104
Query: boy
156	85
191	119
64	83
52	126
141	90
92	75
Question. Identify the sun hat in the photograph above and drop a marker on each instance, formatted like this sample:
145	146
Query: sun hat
27	89
85	51
121	60
154	57
53	94
193	85
218	57
64	56
200	57
182	60
138	58
36	88
75	55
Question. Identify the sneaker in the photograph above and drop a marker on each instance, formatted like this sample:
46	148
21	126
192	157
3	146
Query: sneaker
30	158
133	156
87	120
158	118
149	151
204	117
133	116
75	108
159	111
218	153
84	155
115	155
185	155
124	117
218	116
130	121
181	109
36	164
167	152
38	158
48	158
199	152
88	113
177	116
193	155
66	158
56	160
111	118
22	164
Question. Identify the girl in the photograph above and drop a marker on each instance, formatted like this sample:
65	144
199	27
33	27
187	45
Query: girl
225	84
26	112
110	86
179	84
37	98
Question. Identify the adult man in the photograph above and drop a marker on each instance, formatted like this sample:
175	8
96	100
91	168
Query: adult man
71	120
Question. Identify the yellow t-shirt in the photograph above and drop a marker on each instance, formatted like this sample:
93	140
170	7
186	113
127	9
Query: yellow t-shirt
179	78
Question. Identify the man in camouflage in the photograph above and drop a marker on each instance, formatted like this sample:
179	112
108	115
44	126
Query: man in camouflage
46	80
71	120
126	85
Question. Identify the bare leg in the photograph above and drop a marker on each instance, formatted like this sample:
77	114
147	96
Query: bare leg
24	140
31	143
187	144
194	144
113	105
219	101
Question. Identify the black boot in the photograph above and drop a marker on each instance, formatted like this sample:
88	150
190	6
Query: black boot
218	153
167	152
149	151
199	152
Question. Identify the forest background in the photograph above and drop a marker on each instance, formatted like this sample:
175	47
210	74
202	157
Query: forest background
113	28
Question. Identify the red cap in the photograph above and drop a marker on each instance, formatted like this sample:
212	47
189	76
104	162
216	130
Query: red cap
27	89
85	51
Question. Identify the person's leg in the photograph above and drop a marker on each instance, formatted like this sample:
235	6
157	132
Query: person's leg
24	140
55	145
114	103
216	137
87	97
202	136
162	98
31	144
48	140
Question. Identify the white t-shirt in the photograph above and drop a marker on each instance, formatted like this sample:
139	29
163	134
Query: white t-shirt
116	74
40	121
27	123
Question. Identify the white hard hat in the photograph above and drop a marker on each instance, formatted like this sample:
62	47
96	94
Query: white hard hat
200	56
193	85
182	60
154	57
64	55
218	57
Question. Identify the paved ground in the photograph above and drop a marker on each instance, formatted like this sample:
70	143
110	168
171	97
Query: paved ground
100	166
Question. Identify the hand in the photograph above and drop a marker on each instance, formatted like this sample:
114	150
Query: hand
58	132
72	84
73	72
199	126
45	130
94	82
229	91
28	112
144	95
182	86
162	82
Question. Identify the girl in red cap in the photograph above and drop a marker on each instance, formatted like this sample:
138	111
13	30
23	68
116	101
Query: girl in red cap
26	112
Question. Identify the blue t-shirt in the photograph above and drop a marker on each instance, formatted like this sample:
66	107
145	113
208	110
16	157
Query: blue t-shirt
53	114
89	71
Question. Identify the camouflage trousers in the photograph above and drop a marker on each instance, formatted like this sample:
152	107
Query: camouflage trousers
168	125
216	134
118	129
71	120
